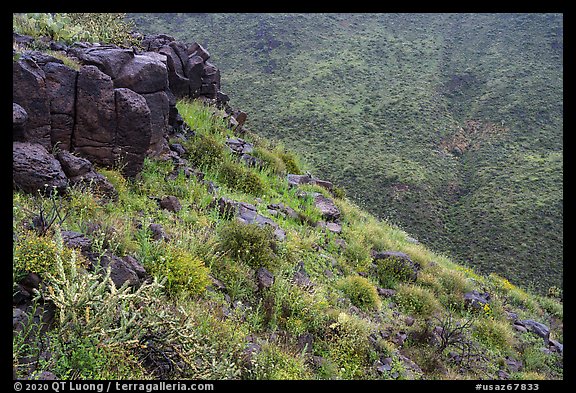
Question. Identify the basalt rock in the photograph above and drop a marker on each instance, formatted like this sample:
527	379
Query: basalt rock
476	300
34	169
30	92
119	107
246	213
19	118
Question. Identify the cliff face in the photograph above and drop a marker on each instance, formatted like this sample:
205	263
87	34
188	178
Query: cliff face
119	105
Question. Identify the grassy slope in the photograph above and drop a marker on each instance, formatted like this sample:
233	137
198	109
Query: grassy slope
368	100
206	332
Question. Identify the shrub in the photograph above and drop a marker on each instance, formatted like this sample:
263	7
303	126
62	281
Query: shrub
390	271
184	273
107	27
361	292
275	363
230	174
339	192
238	178
413	299
493	334
251	183
356	251
291	162
36	254
204	150
248	243
271	160
127	323
347	346
237	277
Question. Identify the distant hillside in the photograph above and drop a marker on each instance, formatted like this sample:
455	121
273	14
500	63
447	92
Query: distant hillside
450	125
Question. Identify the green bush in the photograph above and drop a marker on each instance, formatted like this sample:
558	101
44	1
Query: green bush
413	299
391	271
494	334
248	243
36	254
274	363
361	292
347	346
271	160
252	183
239	178
291	162
237	277
230	174
184	273
204	150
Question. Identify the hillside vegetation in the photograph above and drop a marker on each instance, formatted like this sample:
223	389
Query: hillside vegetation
448	125
332	309
322	290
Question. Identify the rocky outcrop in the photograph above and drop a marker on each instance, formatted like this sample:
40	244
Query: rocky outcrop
30	92
190	74
19	118
118	107
475	299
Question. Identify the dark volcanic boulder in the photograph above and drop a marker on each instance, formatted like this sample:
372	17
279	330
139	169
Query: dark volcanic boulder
327	207
179	84
134	130
171	203
61	88
76	240
159	105
95	128
296	180
33	169
246	213
535	327
154	42
80	171
264	278
143	73
19	118
30	92
476	299
121	271
108	58
72	165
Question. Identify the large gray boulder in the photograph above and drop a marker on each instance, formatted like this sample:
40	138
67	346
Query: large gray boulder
34	169
327	207
95	128
134	130
19	118
247	213
144	73
30	92
61	89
